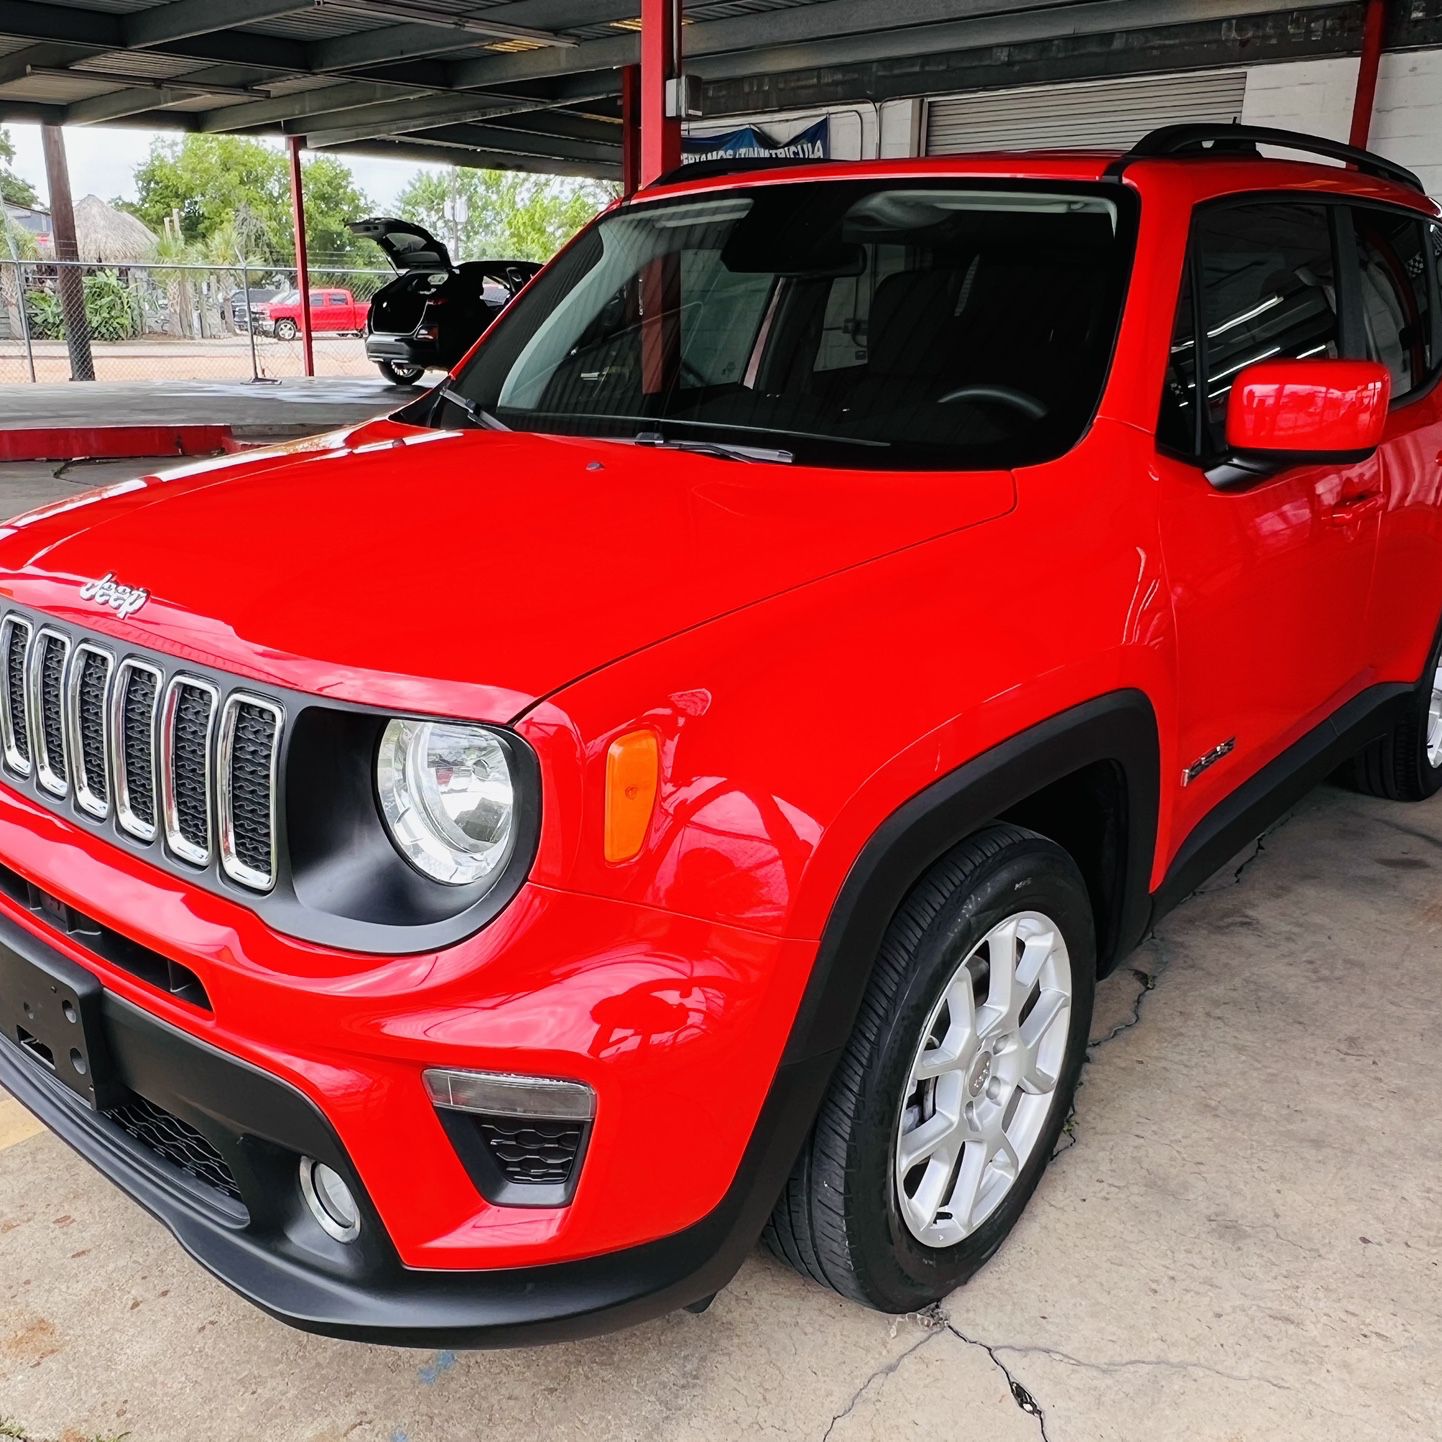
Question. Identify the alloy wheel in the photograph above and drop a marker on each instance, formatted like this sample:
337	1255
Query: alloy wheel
1434	720
983	1079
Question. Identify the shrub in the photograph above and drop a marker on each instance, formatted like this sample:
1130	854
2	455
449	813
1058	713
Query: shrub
109	309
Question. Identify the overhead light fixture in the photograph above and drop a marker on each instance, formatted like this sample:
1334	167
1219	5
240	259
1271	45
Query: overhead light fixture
443	20
145	82
634	23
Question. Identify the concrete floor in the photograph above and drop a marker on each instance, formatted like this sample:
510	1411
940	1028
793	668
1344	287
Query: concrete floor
1243	1240
254	412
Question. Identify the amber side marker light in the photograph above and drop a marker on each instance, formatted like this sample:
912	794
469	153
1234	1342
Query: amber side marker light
633	774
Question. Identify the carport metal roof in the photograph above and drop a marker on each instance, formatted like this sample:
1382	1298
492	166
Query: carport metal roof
534	84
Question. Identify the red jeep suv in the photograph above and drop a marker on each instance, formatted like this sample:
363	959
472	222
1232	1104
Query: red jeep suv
471	874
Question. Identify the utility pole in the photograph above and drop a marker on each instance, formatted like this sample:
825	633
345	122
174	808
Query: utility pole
67	254
302	259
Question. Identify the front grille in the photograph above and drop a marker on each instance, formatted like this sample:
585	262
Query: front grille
88	693
118	737
530	1152
185	768
14	722
47	677
177	1142
138	691
249	753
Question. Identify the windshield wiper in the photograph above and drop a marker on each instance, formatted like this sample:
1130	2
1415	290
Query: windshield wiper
751	454
477	415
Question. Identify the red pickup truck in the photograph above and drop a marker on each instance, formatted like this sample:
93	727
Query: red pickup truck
330	310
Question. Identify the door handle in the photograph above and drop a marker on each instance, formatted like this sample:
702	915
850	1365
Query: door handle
1355	508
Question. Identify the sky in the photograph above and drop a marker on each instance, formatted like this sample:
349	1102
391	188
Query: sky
103	161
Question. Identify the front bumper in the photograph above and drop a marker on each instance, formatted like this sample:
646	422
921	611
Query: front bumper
273	1253
677	1025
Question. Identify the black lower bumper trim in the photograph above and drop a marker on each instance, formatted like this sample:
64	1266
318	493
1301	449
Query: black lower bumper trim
402	350
281	1261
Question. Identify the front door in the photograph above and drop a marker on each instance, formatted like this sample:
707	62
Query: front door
1270	582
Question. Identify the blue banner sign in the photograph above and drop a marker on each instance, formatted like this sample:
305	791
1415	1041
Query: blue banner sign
753	143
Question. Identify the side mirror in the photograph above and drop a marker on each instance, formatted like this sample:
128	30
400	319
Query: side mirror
1299	412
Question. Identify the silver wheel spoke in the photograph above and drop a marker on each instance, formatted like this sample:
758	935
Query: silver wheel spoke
1050	1007
1002	1001
964	1195
923	1142
958	1046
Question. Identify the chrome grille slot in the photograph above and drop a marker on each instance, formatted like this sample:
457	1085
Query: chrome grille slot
187	721
249	754
46	697
134	701
87	691
14	720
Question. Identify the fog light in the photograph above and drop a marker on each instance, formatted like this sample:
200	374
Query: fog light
331	1201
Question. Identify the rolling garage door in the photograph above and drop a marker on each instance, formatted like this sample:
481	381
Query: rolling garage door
1095	114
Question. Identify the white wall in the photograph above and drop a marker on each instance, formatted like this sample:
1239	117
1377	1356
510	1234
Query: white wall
856	130
1316	96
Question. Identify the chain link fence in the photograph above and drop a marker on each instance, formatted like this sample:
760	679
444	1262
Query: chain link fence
64	320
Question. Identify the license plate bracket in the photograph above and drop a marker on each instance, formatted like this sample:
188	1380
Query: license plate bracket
51	1009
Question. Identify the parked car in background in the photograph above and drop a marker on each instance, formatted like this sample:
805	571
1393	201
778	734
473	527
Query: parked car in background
330	311
244	304
431	314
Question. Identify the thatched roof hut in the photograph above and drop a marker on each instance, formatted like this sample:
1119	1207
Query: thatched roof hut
106	236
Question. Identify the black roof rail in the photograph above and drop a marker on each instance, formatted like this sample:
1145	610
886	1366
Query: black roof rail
1218	140
724	165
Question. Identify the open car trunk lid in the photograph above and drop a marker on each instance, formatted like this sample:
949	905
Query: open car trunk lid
407	246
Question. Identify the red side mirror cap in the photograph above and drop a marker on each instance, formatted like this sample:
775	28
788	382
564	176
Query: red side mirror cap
1309	410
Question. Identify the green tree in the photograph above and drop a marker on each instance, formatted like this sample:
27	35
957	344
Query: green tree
224	187
500	214
12	188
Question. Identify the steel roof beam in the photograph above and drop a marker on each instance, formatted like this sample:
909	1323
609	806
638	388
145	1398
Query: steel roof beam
120	104
453	154
835	31
185	19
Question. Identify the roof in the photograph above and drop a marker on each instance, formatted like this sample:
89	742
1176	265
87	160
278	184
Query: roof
1193	177
511	84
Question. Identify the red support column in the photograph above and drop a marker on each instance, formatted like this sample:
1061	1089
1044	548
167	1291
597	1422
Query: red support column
630	130
302	258
1372	32
660	62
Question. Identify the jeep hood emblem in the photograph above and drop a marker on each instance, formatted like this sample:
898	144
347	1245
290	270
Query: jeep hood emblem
125	601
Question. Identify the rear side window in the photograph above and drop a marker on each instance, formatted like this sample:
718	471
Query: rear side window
1266	288
1394	257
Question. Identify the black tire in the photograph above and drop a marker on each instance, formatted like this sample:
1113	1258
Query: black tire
400	375
1396	766
838	1220
285	330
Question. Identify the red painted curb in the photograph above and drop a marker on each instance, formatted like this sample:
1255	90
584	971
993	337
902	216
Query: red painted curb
75	443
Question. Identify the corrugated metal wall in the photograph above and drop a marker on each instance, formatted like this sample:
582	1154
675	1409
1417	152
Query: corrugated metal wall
1098	114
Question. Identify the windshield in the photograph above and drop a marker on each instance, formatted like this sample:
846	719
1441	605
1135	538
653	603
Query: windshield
287	297
889	325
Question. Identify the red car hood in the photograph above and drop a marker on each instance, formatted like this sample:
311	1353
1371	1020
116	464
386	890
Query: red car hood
466	573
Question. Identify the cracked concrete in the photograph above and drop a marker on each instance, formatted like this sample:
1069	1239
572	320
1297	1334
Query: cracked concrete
1242	1240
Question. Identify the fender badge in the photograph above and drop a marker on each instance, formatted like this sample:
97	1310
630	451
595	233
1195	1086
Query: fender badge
125	601
1203	763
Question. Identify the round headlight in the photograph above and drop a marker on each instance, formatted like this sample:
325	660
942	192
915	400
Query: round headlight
448	798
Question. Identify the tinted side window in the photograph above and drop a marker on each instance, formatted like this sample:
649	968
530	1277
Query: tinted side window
1269	290
1396	295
